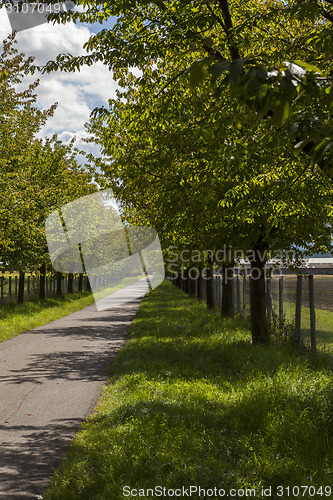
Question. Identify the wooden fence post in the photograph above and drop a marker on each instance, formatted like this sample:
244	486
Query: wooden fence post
244	293
268	301
215	289
233	295
238	295
209	287
10	286
312	314
42	280
298	309
281	298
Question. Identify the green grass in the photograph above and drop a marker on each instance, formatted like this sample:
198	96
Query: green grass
324	325
191	402
18	318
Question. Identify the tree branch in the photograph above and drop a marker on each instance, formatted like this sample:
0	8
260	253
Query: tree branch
210	50
327	15
224	6
171	81
219	20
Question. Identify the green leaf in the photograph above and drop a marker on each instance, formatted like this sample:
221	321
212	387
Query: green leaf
217	69
197	72
307	66
208	41
322	148
281	112
236	69
300	145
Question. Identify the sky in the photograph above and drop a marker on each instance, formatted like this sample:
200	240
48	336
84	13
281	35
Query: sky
77	93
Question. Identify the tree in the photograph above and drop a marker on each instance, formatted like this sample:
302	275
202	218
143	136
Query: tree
257	194
239	52
36	176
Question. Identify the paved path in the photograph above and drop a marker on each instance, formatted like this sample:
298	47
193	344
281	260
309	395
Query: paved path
50	378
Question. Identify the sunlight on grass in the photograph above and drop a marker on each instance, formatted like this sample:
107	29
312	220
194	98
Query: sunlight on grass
16	319
324	326
191	402
19	318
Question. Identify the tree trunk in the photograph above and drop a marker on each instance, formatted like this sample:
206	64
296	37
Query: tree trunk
59	284
227	309
192	282
42	271
187	282
80	284
20	296
199	285
88	286
182	280
70	282
209	288
259	327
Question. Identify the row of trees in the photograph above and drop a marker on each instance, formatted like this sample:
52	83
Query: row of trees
37	175
222	133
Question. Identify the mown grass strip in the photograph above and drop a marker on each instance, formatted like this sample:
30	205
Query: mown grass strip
19	318
191	402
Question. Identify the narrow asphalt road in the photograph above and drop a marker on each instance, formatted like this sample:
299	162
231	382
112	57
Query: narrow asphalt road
50	379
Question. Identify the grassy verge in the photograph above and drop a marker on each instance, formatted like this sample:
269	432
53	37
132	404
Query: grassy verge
18	318
191	402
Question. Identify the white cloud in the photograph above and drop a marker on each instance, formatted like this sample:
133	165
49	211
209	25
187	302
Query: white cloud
77	93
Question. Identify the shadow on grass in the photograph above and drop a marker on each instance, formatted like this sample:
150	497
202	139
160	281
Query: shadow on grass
35	305
192	402
176	443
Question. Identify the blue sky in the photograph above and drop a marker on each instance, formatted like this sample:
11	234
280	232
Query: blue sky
77	93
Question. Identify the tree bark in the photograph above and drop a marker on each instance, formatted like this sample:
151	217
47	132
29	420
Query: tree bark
80	284
259	327
59	284
70	282
228	29
199	285
227	309
192	282
42	271
88	286
187	282
20	296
